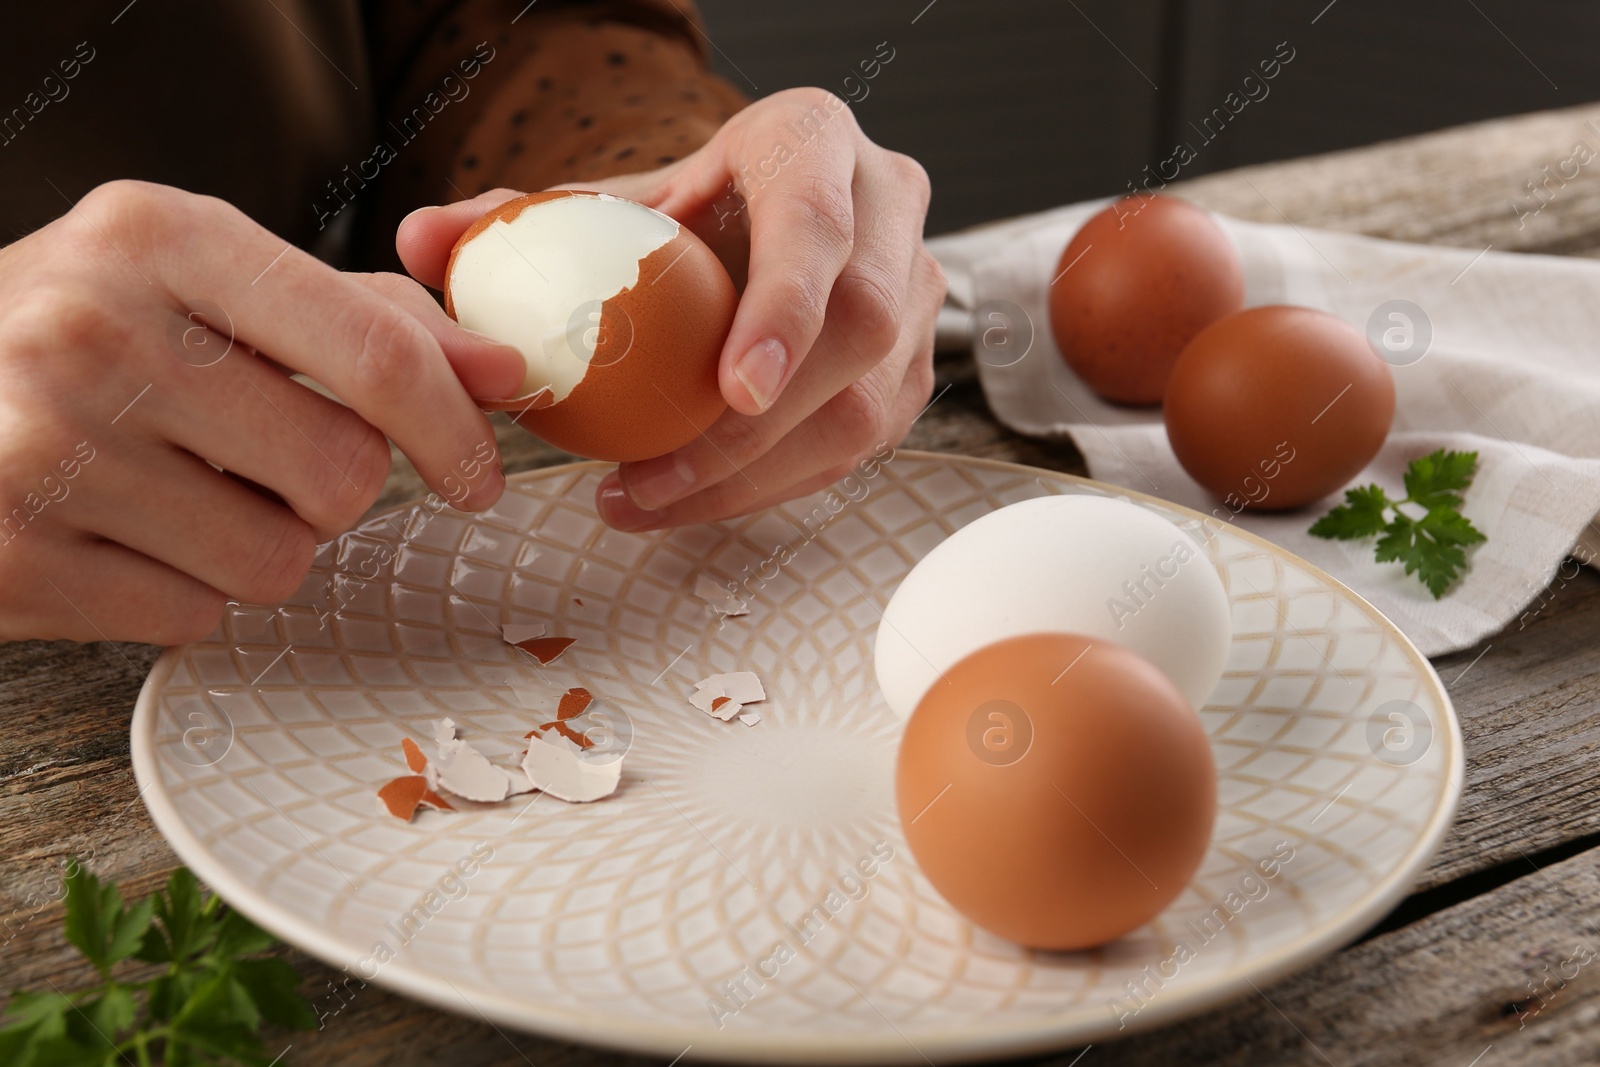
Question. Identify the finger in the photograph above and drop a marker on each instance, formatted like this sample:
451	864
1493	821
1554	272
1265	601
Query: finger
841	356
802	231
368	351
645	187
83	589
324	460
803	461
425	237
173	508
487	369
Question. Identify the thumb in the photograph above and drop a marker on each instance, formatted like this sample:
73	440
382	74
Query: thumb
426	236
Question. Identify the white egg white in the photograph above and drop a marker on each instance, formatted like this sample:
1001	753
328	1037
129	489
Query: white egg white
536	282
1087	565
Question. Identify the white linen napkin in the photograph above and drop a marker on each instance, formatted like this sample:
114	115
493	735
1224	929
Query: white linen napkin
1512	372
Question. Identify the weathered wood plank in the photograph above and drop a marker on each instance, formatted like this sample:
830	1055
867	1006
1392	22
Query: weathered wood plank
1462	186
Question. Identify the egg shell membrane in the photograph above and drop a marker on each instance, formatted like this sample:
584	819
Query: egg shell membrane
1270	375
1100	823
661	391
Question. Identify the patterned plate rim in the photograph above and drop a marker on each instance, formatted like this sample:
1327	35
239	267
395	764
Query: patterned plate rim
964	1043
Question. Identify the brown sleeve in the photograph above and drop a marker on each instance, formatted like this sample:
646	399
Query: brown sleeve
486	93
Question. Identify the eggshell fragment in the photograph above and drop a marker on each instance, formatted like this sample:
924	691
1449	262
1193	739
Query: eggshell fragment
749	718
517	633
742	686
716	595
707	700
433	799
723	696
573	702
561	728
403	795
516	781
465	771
565	775
414	757
618	310
546	649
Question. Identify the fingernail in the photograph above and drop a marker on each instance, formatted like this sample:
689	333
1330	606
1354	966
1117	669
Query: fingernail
617	511
418	211
761	370
488	491
654	483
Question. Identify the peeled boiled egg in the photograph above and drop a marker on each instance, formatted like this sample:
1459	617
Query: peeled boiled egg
1275	407
618	310
1135	284
1057	790
1104	568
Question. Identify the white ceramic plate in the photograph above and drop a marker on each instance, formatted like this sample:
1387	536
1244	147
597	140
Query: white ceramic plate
627	922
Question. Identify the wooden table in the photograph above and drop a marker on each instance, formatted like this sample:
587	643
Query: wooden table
1448	978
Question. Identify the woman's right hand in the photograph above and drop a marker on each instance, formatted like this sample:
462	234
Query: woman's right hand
156	459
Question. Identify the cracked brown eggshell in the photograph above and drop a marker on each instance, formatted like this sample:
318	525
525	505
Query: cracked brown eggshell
620	311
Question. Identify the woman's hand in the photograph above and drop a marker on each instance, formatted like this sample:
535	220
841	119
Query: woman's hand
831	352
154	462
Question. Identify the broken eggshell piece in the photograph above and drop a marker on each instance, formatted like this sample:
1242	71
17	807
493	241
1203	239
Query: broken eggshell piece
546	649
518	633
723	696
742	686
402	796
465	771
619	312
554	766
717	596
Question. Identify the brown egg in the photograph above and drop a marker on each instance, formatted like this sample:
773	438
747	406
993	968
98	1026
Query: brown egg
1058	791
1136	283
620	312
1275	407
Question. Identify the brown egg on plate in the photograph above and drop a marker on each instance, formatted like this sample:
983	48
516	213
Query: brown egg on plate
1135	284
1274	407
1057	791
619	310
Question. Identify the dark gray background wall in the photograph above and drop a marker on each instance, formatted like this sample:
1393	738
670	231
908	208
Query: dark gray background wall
1016	105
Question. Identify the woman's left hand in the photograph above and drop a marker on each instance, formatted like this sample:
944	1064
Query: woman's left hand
831	351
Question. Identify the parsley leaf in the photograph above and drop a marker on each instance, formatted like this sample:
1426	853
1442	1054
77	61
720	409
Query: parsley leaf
98	925
1361	515
206	1006
1432	547
1437	479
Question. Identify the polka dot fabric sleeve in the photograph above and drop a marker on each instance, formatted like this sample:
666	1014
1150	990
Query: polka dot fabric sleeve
561	93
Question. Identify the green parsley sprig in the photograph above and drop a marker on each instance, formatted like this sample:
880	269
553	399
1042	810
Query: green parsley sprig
205	1006
1432	546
